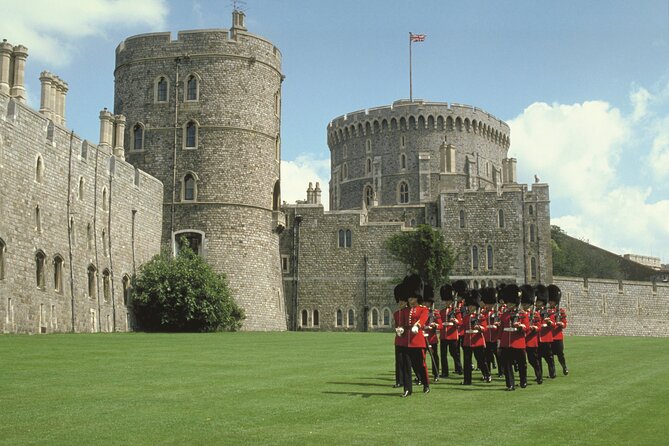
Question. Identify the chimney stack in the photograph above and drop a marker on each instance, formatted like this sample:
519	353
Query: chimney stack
19	57
5	59
106	119
119	125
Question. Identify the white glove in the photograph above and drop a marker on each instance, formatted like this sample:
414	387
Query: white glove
414	329
399	331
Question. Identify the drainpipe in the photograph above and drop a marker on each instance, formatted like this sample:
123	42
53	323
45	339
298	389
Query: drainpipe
70	228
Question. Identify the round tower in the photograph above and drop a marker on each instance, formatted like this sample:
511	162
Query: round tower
410	152
203	116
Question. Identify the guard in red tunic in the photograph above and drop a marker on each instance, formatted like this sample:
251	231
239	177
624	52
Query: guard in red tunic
489	299
431	330
475	323
513	325
412	319
460	288
528	300
557	346
400	341
546	335
451	321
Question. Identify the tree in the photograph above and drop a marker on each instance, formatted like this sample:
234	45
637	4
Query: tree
425	252
183	293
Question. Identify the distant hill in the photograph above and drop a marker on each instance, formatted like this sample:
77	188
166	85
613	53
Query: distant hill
575	258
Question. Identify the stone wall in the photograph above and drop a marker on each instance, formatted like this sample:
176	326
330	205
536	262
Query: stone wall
94	208
599	307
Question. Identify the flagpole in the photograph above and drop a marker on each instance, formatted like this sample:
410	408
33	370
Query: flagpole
410	78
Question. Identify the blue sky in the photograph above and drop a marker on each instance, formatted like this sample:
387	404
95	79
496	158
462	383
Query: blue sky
584	85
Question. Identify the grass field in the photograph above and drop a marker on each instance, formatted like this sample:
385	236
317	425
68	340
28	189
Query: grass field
313	388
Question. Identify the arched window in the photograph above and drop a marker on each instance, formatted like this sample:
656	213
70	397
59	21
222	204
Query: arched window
475	257
462	218
317	318
161	89
345	238
368	166
386	316
500	218
348	238
276	196
351	318
189	238
192	89
403	161
340	318
345	170
375	317
126	290
277	148
475	284
403	192
305	317
531	210
3	247
369	195
189	187
82	183
531	233
106	286
39	269
190	137
58	274
490	257
92	282
39	169
104	242
368	145
89	236
38	220
138	137
104	198
533	267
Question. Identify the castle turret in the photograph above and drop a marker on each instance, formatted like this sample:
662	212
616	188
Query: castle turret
203	117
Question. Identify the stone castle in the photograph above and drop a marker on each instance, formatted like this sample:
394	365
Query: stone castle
192	153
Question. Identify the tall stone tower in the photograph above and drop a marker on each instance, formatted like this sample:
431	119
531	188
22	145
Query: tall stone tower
203	116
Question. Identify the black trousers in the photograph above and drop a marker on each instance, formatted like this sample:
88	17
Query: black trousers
398	365
435	363
479	354
546	354
557	348
509	356
452	348
491	355
412	358
535	361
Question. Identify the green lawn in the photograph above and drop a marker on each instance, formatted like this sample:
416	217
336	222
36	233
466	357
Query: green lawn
313	388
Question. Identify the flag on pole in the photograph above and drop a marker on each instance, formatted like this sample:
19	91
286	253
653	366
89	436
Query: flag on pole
417	37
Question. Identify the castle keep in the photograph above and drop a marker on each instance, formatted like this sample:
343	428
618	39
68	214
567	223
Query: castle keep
396	167
203	115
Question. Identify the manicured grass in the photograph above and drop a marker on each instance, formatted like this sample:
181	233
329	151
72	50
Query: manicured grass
313	388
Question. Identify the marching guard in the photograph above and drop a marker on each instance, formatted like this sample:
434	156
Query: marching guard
528	301
557	346
489	299
431	330
513	325
400	341
546	335
412	319
475	323
451	321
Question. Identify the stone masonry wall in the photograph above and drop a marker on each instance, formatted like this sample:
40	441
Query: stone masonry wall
115	235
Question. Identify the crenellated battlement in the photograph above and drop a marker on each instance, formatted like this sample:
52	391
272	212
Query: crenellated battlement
419	115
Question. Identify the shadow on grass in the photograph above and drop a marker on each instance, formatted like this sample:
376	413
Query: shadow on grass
364	394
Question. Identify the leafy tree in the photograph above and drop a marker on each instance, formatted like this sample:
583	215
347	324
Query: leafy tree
425	252
183	293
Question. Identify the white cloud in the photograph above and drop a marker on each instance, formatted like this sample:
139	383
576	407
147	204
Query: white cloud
576	149
297	174
51	29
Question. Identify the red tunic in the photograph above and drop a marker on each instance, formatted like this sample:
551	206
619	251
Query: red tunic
558	330
399	340
433	333
409	317
461	327
512	336
491	333
451	320
474	328
532	336
547	322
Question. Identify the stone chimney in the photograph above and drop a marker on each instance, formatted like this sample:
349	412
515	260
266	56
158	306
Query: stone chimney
310	193
19	57
5	59
46	106
238	19
106	119
119	126
317	193
61	93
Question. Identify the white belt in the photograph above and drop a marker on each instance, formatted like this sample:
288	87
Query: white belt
544	325
510	329
471	331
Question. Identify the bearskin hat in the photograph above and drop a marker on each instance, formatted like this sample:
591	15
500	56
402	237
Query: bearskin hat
400	294
510	294
414	286
460	286
541	291
489	295
527	294
428	293
473	297
446	292
554	293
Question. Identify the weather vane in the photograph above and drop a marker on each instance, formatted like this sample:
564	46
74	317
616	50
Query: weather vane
238	5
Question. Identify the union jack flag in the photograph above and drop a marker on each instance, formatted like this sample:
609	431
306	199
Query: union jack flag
417	37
